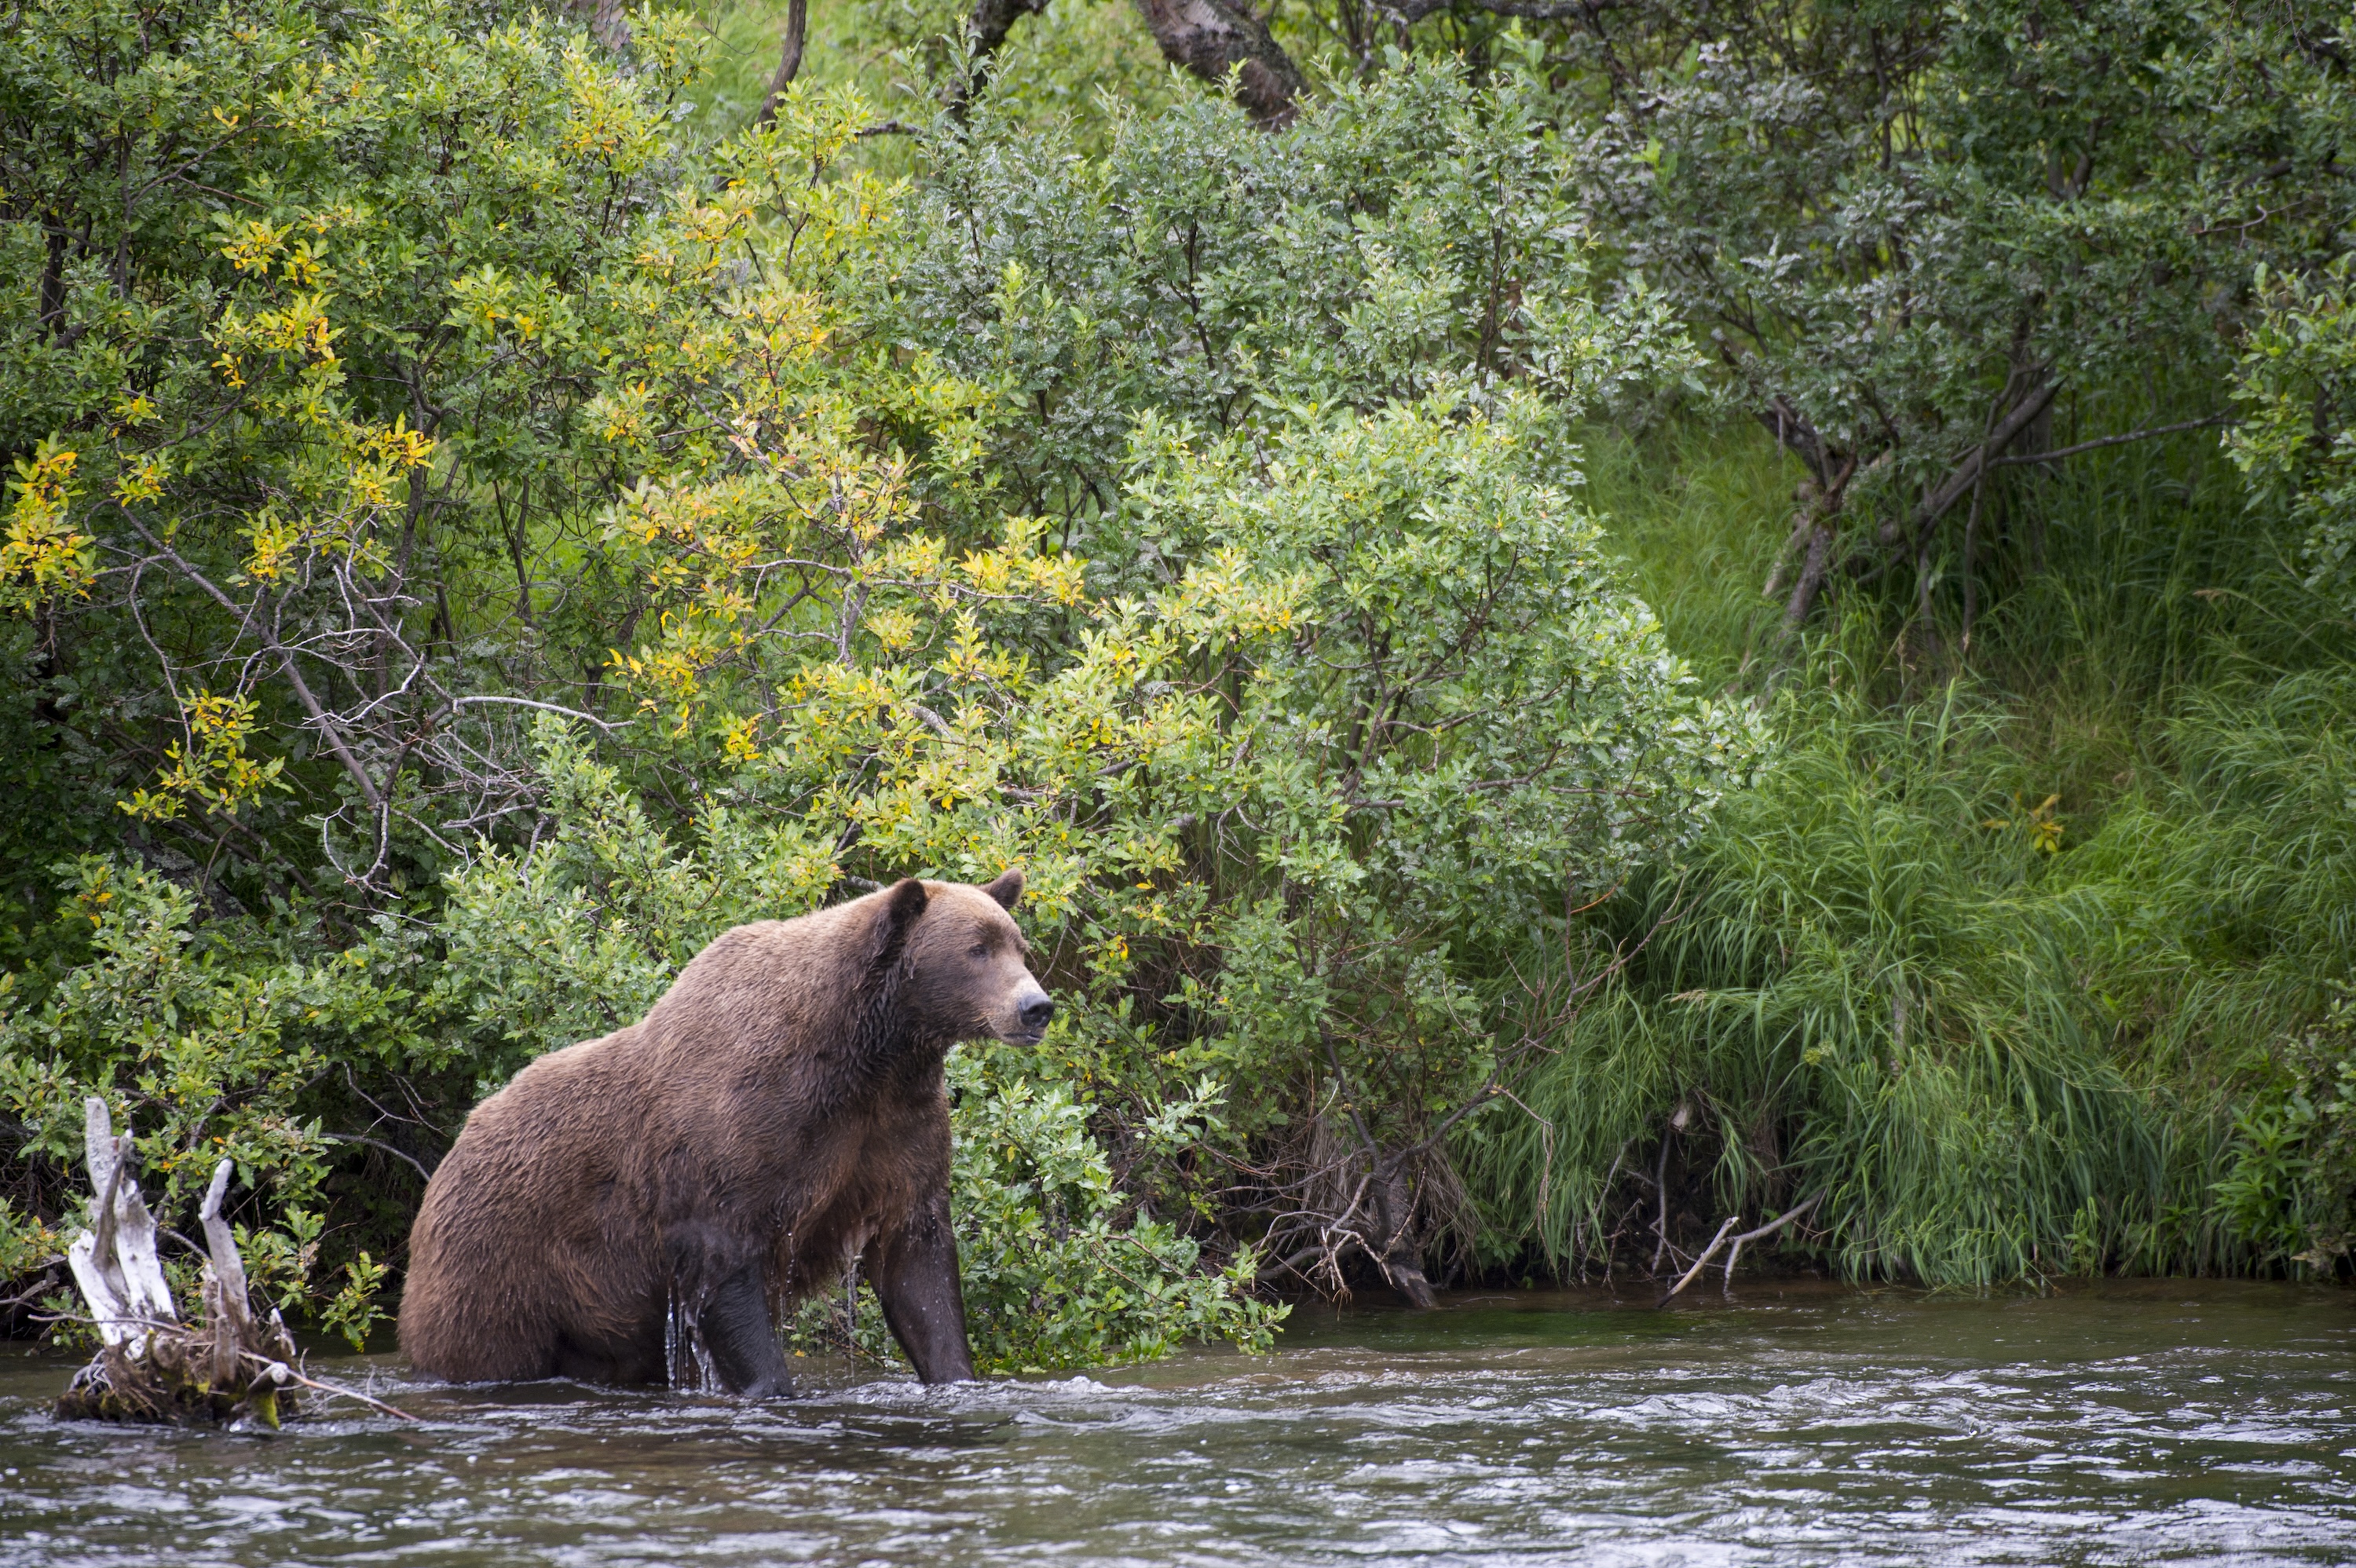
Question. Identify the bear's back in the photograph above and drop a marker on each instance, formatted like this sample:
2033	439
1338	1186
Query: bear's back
773	986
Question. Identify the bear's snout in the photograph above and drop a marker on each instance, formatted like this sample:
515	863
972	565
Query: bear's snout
1032	1010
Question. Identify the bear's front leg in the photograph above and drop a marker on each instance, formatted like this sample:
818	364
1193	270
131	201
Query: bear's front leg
915	1278
736	1328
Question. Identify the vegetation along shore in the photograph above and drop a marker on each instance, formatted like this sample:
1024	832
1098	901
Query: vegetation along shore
1595	625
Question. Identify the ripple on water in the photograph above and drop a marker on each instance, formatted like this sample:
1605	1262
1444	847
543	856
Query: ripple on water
2184	1424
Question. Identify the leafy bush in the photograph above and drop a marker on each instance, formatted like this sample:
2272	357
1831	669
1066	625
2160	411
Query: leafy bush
1061	1269
2298	439
208	1040
1412	238
1912	234
579	934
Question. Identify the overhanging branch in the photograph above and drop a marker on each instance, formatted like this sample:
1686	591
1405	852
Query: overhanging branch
2062	451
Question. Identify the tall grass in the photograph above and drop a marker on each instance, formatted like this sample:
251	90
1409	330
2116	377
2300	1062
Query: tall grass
1994	952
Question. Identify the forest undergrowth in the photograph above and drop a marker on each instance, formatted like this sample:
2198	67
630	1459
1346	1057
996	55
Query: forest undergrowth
2004	954
1596	635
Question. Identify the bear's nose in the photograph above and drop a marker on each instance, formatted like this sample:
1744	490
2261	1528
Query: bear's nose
1035	1014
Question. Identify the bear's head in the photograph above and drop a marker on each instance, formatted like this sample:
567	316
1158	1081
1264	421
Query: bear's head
967	968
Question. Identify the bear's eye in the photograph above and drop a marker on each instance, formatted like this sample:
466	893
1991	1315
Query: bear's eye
979	950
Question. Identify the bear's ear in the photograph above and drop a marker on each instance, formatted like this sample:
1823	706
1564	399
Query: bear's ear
903	900
1007	888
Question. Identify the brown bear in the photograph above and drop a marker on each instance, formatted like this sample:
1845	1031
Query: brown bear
779	1112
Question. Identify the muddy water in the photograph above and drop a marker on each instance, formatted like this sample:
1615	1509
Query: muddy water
2159	1422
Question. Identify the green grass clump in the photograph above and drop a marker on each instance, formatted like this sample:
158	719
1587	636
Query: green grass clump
2004	949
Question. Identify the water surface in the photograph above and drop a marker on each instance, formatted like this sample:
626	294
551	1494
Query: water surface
2180	1422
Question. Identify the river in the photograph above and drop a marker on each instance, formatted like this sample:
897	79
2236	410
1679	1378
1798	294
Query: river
2144	1421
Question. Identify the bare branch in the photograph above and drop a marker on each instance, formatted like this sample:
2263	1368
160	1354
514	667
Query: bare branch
544	706
409	1160
2061	452
1768	1229
1700	1262
1958	484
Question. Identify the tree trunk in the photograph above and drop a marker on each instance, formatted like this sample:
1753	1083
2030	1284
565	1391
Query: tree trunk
1400	1260
790	65
1813	566
611	25
1211	38
986	32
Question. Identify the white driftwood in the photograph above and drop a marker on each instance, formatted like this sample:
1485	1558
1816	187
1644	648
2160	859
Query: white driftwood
1702	1262
227	1306
1735	1247
228	1268
115	1262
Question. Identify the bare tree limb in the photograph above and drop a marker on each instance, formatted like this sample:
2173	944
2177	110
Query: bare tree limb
407	1159
2061	452
457	702
285	656
1958	484
279	1371
1702	1262
1768	1229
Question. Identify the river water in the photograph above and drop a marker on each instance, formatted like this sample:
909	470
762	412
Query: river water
2164	1421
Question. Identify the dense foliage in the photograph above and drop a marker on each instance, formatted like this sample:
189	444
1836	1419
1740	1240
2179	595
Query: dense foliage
490	515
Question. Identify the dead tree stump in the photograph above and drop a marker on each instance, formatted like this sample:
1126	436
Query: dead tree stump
150	1367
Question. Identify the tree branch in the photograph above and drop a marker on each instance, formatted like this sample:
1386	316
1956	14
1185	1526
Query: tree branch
1768	1229
407	1159
1700	1262
1211	37
1959	483
2062	451
286	659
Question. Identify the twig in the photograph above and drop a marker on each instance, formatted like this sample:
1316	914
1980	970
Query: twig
48	1282
386	1148
1700	1262
469	701
1768	1229
276	1368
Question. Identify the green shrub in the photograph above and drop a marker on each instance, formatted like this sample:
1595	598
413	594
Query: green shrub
1062	1269
209	1040
582	933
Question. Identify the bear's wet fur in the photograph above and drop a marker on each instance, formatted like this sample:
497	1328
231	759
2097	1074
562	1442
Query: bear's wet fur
780	1111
